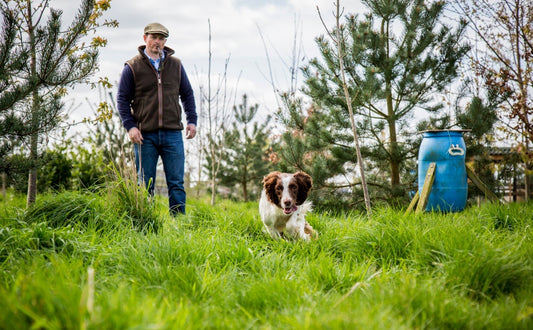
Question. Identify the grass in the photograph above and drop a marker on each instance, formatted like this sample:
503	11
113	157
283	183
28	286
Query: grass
217	268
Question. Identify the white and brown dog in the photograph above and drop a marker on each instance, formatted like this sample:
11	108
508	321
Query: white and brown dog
283	205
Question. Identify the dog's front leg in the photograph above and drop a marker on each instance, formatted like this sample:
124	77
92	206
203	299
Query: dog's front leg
296	228
274	233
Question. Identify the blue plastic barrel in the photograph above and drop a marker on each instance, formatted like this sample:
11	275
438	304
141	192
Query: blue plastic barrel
447	149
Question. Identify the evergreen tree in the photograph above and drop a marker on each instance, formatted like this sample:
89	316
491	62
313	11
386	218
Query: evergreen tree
56	172
396	59
12	90
12	62
480	117
56	59
246	144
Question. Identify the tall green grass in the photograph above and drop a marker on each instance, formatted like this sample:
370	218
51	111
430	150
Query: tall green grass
217	268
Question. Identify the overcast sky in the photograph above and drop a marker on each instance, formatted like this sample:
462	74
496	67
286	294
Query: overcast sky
236	28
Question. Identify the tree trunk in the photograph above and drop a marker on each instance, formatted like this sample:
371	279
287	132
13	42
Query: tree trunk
34	139
393	150
213	178
391	116
393	140
527	191
527	167
245	186
338	39
213	191
32	177
4	185
214	172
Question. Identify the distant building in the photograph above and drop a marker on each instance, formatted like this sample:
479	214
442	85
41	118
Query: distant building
510	172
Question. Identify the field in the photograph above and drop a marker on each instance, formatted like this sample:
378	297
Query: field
82	261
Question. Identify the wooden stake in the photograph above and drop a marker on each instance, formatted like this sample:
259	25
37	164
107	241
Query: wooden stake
426	189
413	203
475	179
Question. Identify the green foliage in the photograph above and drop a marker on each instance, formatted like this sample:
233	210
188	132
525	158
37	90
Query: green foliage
65	209
11	203
65	166
39	59
55	174
89	171
107	137
34	238
397	57
244	160
16	168
12	62
44	303
478	117
216	267
132	201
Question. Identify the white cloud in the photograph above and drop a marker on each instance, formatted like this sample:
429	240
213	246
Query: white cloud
235	28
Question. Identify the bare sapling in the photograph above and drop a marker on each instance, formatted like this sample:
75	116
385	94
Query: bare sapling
337	39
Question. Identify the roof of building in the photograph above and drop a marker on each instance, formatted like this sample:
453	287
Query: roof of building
502	150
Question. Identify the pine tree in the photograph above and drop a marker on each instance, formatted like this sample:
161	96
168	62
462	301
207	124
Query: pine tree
56	59
246	144
479	117
12	61
397	57
12	90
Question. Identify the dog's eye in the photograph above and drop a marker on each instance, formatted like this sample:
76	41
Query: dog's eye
293	187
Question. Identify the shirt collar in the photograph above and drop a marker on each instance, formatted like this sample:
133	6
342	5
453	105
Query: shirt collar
155	63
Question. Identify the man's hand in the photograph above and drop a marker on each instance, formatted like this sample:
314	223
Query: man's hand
190	131
135	135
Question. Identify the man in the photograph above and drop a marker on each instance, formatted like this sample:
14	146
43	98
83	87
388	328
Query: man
150	90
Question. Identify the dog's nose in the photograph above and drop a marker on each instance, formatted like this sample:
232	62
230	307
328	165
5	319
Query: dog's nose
287	202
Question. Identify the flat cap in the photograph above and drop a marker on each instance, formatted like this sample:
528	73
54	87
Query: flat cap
156	28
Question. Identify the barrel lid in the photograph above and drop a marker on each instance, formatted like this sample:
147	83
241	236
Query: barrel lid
446	130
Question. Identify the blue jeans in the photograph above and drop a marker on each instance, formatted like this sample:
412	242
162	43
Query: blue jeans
169	145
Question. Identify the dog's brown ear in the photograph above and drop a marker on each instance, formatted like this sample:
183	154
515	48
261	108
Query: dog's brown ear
305	183
269	184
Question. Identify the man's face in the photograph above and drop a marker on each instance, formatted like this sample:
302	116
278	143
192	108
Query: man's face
154	42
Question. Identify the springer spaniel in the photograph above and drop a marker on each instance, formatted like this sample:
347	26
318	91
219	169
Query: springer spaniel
283	205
